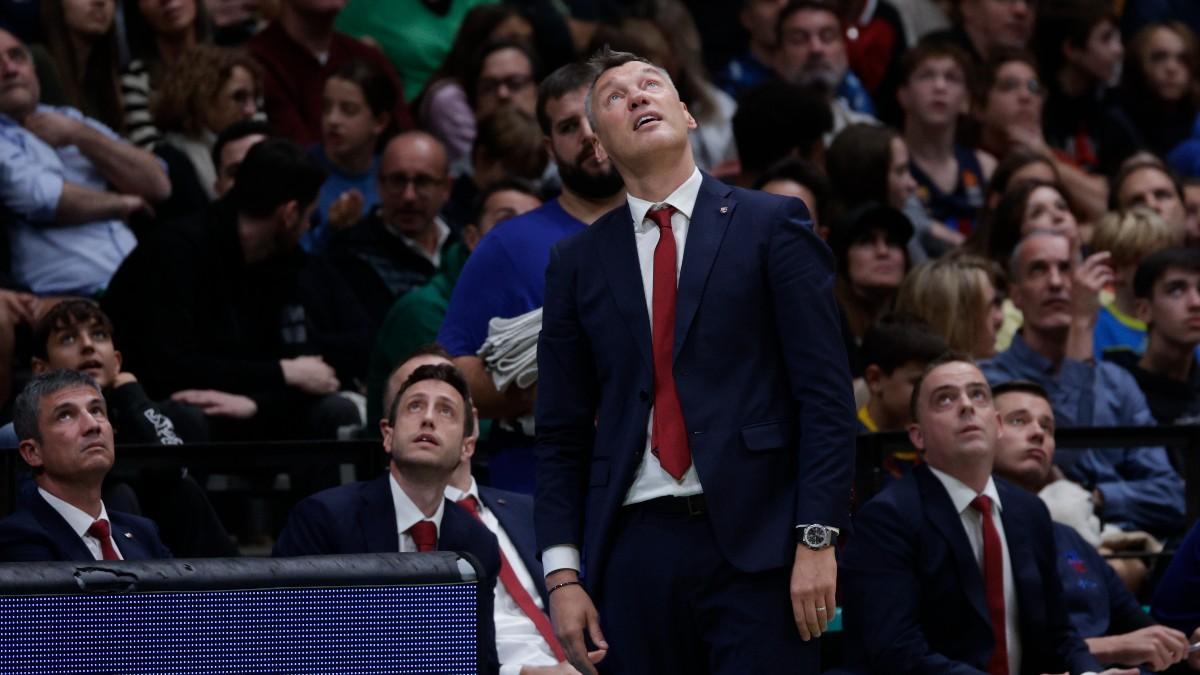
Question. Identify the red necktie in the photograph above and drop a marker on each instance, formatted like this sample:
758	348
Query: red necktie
993	577
668	435
100	530
424	534
513	585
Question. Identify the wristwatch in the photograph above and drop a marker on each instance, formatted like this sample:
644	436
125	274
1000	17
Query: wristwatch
817	537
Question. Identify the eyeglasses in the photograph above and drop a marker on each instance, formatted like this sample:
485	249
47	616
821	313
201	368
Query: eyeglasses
422	184
490	85
1008	85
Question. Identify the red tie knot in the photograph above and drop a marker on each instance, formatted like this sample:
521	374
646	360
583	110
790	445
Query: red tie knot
424	534
982	504
661	215
100	530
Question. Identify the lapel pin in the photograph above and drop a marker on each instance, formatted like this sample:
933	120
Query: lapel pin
129	535
502	501
724	210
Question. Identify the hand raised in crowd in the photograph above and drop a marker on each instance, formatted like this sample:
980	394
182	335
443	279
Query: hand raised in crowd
814	590
1089	278
18	307
54	128
573	613
310	374
346	209
218	403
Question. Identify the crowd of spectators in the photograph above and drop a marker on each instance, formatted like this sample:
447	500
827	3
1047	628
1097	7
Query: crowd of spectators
270	208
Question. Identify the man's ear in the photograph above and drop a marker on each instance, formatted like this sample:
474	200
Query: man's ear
119	358
1142	309
691	121
873	375
598	149
471	236
385	430
31	452
288	213
916	437
468	448
39	366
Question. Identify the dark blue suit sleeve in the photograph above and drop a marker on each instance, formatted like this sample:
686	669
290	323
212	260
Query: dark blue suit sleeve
20	542
566	409
882	597
307	532
1175	600
801	275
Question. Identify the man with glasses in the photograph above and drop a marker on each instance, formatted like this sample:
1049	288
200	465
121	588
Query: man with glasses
402	242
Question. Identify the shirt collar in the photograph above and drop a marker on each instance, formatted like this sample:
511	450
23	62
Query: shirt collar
961	495
1022	353
77	518
443	231
456	495
407	513
683	199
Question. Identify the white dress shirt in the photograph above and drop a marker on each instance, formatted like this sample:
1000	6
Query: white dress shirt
650	481
518	641
80	521
962	496
407	515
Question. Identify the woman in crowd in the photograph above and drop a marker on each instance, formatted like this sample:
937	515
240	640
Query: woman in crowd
355	118
804	180
158	32
443	108
1029	205
206	90
82	41
1008	111
871	163
1019	166
868	243
960	297
1160	94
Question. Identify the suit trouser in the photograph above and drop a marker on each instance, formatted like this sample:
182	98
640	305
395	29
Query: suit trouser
670	603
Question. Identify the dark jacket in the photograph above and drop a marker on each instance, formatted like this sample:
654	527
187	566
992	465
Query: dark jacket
36	533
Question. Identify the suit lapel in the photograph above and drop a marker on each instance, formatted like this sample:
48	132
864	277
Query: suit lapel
940	512
625	278
710	218
130	545
377	517
69	543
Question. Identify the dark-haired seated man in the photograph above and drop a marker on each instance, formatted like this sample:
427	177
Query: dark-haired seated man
428	432
67	439
1167	288
1101	609
950	571
225	310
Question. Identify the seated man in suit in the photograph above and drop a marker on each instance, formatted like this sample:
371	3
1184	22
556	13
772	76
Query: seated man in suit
1100	607
62	421
428	432
950	571
525	639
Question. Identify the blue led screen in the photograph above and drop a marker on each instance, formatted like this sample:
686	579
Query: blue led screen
385	629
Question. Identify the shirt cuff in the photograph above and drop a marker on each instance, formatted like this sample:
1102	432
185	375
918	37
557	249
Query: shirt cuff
1116	501
563	557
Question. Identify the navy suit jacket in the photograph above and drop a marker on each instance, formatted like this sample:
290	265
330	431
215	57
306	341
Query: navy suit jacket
515	513
914	595
36	533
361	518
760	367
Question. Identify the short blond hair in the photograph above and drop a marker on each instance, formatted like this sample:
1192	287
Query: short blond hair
1134	234
948	294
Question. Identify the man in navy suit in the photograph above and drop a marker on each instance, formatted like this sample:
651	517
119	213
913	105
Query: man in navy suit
695	421
62	422
950	570
429	430
524	639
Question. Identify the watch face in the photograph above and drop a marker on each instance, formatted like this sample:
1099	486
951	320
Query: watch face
814	535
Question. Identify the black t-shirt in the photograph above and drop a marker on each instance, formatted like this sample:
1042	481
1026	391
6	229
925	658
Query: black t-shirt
1171	401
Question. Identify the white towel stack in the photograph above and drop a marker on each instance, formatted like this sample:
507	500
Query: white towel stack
510	354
